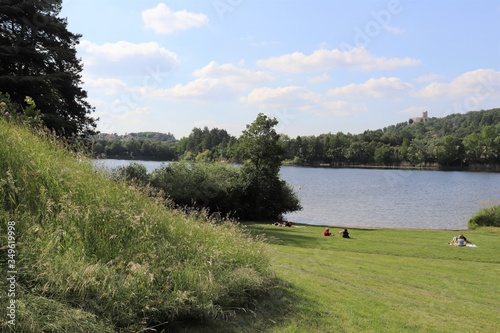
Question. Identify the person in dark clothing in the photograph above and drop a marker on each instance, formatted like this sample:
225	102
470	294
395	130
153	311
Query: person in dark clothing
344	233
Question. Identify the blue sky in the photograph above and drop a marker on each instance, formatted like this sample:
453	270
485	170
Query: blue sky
316	66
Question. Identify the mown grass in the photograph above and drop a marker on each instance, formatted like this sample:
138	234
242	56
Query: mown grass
386	280
96	255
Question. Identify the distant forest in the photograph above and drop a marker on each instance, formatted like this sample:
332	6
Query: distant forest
457	140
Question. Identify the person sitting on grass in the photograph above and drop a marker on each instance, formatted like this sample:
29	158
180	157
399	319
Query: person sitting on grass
344	233
327	232
459	240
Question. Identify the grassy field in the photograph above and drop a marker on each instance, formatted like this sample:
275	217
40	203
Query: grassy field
383	281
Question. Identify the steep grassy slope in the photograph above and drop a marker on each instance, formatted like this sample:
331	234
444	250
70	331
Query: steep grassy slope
95	255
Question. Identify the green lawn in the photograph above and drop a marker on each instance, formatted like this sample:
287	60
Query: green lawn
382	281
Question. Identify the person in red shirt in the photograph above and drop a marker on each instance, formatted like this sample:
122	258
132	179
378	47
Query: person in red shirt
327	232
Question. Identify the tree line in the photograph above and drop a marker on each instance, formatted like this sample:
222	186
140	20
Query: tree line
454	140
144	145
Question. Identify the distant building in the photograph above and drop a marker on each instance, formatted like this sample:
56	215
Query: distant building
422	119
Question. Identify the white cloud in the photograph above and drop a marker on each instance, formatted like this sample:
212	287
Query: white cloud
300	98
322	60
342	108
319	79
230	72
162	20
281	96
115	52
114	117
214	81
384	87
482	84
108	86
125	58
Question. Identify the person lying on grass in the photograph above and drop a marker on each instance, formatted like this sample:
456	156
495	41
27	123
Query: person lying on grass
459	240
284	224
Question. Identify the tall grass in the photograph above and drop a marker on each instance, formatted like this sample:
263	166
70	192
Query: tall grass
100	254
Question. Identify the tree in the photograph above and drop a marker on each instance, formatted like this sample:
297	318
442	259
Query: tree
488	136
266	195
39	60
449	150
384	155
473	147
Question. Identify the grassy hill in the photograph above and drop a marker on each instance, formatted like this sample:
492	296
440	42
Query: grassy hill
94	255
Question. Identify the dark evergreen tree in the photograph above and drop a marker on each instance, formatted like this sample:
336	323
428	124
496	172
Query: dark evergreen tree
38	59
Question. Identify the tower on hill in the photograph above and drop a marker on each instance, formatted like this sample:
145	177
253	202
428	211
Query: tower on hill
422	119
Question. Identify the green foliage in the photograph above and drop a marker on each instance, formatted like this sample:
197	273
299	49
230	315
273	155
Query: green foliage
134	173
143	145
489	216
26	113
266	195
215	187
205	145
101	254
252	191
455	140
39	60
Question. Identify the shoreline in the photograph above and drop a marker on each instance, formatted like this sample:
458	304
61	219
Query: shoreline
354	228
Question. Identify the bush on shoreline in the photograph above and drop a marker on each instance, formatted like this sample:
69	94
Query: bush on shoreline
221	189
486	217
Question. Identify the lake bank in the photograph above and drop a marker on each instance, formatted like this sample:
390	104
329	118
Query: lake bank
422	166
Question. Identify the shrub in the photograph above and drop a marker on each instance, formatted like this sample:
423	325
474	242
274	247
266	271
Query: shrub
489	216
225	189
134	172
213	186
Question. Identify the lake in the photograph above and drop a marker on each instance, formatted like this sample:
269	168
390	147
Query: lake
380	198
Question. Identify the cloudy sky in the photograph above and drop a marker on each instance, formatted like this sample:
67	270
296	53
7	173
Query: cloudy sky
316	66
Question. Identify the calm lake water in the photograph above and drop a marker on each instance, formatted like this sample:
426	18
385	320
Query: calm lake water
374	198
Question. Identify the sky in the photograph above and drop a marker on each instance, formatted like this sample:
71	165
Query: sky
316	66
